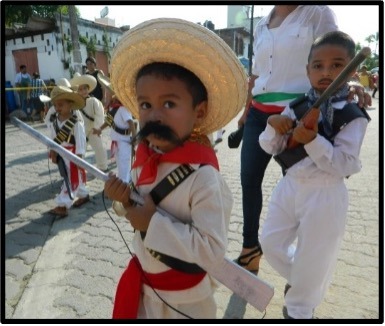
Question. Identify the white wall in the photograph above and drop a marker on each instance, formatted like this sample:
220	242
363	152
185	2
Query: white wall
49	61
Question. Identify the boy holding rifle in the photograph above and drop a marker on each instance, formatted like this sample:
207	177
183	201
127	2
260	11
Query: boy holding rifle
310	202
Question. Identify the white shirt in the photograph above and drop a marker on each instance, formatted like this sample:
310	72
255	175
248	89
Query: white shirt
121	119
280	54
202	204
77	131
325	160
94	108
20	76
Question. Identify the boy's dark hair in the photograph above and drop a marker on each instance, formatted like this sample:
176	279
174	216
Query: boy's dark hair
170	70
335	38
92	59
22	66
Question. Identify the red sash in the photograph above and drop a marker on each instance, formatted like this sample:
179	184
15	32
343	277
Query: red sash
267	108
75	170
113	149
127	296
191	152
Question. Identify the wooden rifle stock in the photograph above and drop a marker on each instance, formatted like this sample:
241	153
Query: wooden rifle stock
310	118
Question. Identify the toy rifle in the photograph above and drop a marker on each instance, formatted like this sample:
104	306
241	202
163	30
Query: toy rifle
310	118
243	283
64	174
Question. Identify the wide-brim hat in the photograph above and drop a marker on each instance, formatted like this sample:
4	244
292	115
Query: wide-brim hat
65	93
79	79
105	82
191	46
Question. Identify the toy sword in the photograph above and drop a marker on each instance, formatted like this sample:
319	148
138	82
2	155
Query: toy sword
246	285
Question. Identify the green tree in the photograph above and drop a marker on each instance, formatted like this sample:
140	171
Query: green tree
21	13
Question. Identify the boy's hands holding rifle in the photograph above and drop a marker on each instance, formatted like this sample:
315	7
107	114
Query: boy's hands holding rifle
304	135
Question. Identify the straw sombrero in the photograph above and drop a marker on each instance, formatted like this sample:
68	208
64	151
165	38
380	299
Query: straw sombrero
79	79
105	82
61	82
191	46
65	93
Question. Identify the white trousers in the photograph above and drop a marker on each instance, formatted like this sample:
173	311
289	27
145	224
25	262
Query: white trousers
123	160
96	143
63	198
151	309
313	212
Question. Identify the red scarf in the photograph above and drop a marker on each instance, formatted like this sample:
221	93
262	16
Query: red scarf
127	296
194	151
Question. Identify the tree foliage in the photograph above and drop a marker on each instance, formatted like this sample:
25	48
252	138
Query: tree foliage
21	13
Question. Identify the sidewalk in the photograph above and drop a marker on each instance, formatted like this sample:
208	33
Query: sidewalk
68	268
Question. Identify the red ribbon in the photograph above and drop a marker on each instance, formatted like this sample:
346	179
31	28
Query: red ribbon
191	152
128	292
75	170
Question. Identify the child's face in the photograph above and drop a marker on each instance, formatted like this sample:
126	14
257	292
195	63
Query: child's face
83	90
170	103
325	64
63	107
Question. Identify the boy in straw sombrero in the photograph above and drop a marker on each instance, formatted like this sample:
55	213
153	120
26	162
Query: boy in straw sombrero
67	130
93	116
182	82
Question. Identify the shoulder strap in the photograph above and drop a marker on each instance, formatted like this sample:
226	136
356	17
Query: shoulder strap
65	132
86	115
161	190
170	182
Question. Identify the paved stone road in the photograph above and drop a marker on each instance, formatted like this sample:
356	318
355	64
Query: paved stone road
68	268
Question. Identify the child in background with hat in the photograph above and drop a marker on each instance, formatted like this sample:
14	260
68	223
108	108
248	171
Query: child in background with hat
65	128
93	116
178	102
123	130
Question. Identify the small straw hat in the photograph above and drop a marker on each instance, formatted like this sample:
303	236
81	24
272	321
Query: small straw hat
191	46
79	79
65	93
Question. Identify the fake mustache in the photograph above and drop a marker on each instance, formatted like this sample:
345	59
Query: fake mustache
159	131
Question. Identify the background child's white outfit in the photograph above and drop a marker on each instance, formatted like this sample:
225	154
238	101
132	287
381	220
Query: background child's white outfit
94	109
81	191
124	147
310	203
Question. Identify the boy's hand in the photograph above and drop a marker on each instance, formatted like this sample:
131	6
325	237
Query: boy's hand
53	156
281	123
96	131
116	189
140	216
303	135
